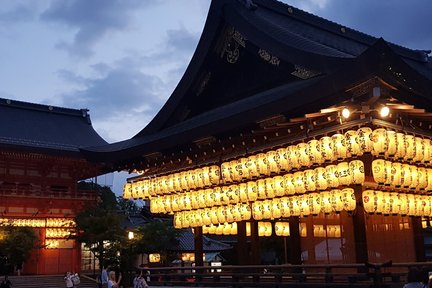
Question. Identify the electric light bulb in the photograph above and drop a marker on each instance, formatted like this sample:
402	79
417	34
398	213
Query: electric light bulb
346	113
385	111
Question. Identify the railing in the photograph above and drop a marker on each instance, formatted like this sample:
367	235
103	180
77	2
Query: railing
338	275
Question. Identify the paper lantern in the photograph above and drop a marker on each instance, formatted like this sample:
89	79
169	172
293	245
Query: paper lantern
224	195
345	174
309	180
419	149
304	205
289	184
410	147
407	177
269	188
219	229
303	230
214	215
225	171
283	159
422	178
279	186
326	145
396	175
320	178
234	194
293	157
209	197
191	176
314	152
253	166
337	200
378	171
357	171
234	175
252	191
299	184
400	147
261	189
314	201
127	191
348	199
391	144
267	209
411	203
194	200
368	201
340	147
302	150
243	192
244	163
221	214
284	206
206	216
217	196
332	176
230	214
352	143
282	229
429	179
273	162
414	177
379	141
245	212
295	206
427	157
276	209
233	230
257	210
404	205
364	139
395	203
263	166
326	202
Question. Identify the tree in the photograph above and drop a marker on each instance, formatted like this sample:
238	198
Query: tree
16	244
100	226
129	207
158	236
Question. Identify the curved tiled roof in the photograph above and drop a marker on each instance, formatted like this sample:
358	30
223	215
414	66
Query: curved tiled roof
55	129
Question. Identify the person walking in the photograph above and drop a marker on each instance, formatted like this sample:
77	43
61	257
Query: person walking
68	280
112	282
104	277
139	281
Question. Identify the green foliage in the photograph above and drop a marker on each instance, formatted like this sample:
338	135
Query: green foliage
16	243
100	226
128	207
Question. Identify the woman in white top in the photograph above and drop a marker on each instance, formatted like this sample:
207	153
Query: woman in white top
68	280
112	283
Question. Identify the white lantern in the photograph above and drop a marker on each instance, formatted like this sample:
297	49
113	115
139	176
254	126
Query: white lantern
303	154
293	157
283	158
332	176
253	166
364	139
414	177
427	158
396	175
378	171
401	146
314	152
279	186
368	201
243	192
252	191
326	202
263	165
419	149
326	145
391	144
289	184
340	147
261	185
309	180
357	171
352	143
407	177
314	201
379	141
345	175
276	209
270	188
321	178
273	162
348	199
299	182
410	147
422	178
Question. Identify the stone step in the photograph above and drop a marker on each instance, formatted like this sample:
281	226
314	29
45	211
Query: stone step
46	281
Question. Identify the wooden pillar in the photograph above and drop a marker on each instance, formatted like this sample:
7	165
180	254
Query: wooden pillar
418	239
242	252
359	227
255	257
198	241
294	242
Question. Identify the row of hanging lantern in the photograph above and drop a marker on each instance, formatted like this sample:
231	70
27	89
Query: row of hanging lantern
353	143
48	222
282	228
304	205
215	215
221	229
321	178
327	231
56	233
393	203
402	175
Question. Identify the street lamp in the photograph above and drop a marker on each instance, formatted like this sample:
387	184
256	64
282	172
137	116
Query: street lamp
131	235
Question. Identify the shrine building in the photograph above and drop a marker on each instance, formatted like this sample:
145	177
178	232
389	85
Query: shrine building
288	124
40	165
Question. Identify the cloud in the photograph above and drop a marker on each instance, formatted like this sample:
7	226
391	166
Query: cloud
21	12
93	20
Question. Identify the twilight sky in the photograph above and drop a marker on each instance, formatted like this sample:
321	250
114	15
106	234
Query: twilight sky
122	58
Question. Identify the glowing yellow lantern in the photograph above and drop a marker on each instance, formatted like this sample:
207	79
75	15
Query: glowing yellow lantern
299	182
314	202
344	172
379	141
233	229
283	158
261	188
221	214
284	206
422	178
257	210
178	221
209	197
230	214
267	209
191	176
419	149
295	206
245	212
217	196
401	146
279	186
253	166
320	178
326	202
364	139
225	171
314	152
184	180
427	156
410	147
127	191
252	191
244	163
407	177
224	195
368	201
332	176
263	166
396	174
273	161
304	205
269	188
429	179
414	177
237	169
340	148
348	199
214	174
206	216
326	145
194	200
214	215
289	184
234	194
302	150
276	212
378	171
232	170
243	192
219	229
293	157
391	144
352	143
357	171
412	205
309	180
